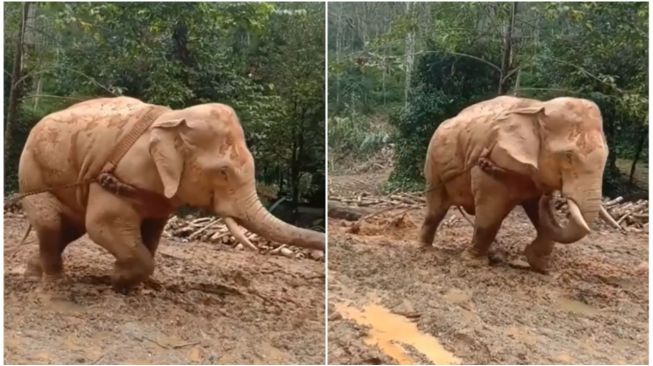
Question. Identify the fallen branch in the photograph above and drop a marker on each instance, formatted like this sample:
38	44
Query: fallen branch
185	345
341	211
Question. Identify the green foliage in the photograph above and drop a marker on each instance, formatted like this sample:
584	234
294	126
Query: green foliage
443	85
264	59
27	118
597	51
354	136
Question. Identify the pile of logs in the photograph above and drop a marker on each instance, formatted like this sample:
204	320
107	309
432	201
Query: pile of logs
364	205
208	229
214	230
365	200
631	215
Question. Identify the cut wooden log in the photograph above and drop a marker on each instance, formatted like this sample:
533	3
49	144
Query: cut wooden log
605	215
613	202
341	211
204	227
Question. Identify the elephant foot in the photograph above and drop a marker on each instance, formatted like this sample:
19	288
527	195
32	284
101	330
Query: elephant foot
424	245
538	262
34	269
475	258
53	279
125	277
426	236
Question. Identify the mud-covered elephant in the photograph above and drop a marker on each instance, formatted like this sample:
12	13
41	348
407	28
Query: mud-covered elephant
195	156
511	151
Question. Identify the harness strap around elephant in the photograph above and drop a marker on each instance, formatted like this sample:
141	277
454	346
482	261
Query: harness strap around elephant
106	178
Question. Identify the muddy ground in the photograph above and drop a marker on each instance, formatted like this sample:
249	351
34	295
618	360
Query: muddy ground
207	303
393	302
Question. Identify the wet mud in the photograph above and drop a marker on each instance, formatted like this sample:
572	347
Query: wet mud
389	298
205	304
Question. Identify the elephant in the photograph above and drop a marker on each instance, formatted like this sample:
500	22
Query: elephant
195	156
509	151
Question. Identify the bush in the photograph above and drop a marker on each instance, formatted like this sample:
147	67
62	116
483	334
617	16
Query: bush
27	118
355	136
442	86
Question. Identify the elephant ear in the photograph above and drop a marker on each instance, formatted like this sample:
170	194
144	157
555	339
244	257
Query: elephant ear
517	145
167	156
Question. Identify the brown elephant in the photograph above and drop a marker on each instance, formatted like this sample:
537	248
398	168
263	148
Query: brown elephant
195	156
511	151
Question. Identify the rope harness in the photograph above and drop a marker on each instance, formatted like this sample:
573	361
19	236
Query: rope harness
106	178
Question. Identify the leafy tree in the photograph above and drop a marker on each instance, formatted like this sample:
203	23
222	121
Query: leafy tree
264	59
467	52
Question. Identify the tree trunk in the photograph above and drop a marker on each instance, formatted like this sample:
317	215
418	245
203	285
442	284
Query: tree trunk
39	90
410	51
16	90
295	166
515	92
383	76
338	46
506	59
640	146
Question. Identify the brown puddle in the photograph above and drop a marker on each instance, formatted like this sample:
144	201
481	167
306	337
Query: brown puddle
575	306
388	331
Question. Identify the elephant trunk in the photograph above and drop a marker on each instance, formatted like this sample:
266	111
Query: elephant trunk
257	219
584	208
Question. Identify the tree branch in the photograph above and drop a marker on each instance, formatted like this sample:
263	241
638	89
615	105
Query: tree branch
553	89
464	55
24	77
53	96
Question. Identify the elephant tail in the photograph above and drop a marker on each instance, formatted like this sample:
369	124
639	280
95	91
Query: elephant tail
29	228
462	212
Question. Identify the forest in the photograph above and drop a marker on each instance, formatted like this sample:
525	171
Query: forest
396	70
266	60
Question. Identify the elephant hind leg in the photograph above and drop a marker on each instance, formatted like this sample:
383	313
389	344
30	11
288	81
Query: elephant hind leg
54	229
116	226
539	250
437	205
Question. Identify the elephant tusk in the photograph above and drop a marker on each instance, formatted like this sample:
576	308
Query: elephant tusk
238	233
605	215
577	216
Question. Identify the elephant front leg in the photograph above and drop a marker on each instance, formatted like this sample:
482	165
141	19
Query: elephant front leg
492	203
116	226
538	252
151	230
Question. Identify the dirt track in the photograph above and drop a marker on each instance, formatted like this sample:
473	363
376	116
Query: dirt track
392	302
208	303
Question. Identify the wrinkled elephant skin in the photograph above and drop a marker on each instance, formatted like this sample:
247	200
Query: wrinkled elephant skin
195	156
511	151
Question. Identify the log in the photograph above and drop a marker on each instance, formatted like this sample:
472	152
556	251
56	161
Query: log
341	211
605	215
613	202
203	228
